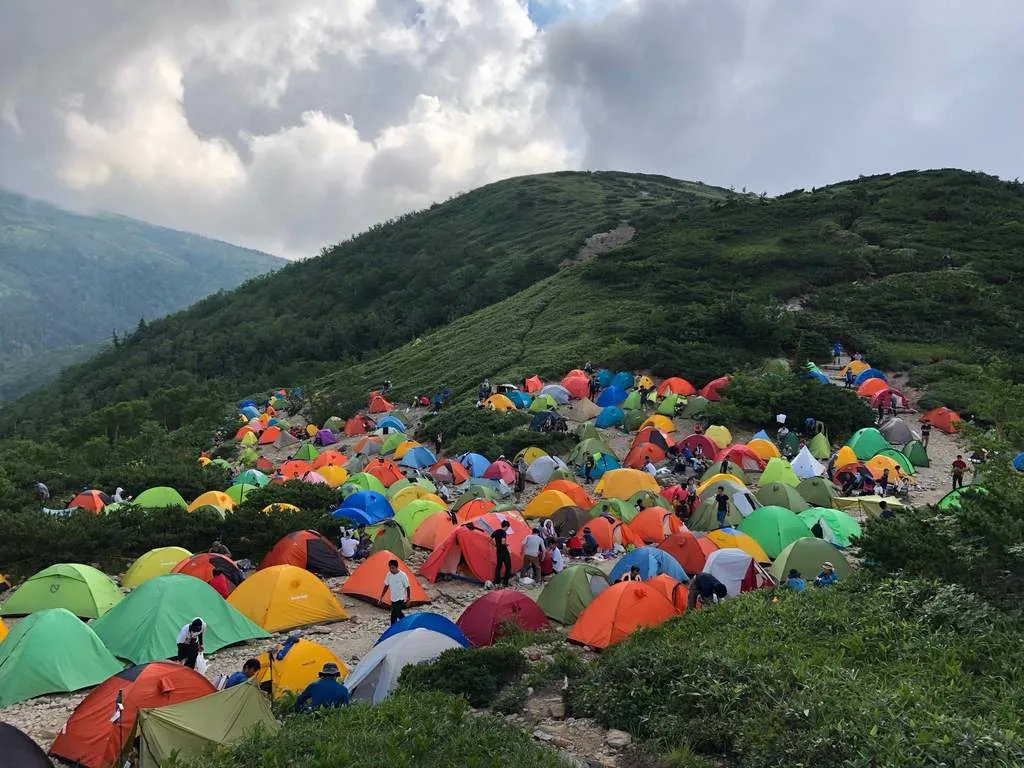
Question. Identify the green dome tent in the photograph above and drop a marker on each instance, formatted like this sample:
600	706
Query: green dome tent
240	491
392	441
667	407
650	499
306	453
781	495
695	406
474	492
774	528
543	403
818	491
633	420
617	508
705	517
905	463
587	431
159	497
144	625
52	651
586	448
252	477
569	592
819	447
422	482
778	470
362	481
392	538
917	453
81	589
412	515
837	527
632	401
867	442
806	555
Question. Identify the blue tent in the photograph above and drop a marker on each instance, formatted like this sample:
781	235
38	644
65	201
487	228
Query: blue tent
818	376
364	508
606	463
604	377
761	435
870	373
622	380
247	404
475	463
391	421
651	561
556	392
519	399
426	620
611	416
250	412
417	458
1018	462
611	396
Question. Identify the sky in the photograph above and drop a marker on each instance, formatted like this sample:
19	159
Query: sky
289	125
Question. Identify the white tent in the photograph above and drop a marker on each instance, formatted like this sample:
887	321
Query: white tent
376	675
805	465
541	469
735	568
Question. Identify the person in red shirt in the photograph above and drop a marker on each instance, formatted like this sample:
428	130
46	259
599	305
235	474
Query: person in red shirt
959	468
575	545
220	583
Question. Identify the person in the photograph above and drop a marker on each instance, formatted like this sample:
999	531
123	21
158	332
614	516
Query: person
649	467
437	403
219	581
894	402
633	575
926	432
588	467
849	378
190	642
438	440
723	468
827	577
794	581
387	387
218	548
575	544
557	558
883	482
837	353
397	583
830	470
533	553
722	502
588	368
118	496
706	588
782	434
349	543
547	530
250	669
364	546
589	543
884	511
881	410
593	387
42	492
485	389
520	483
903	488
446	394
503	561
959	468
324	692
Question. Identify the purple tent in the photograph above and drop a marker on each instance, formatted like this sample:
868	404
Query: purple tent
325	437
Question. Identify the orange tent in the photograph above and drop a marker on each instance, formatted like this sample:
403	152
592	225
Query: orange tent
367	581
355	426
270	434
365	444
574	491
607	533
468	552
690	549
379	405
577	384
675	591
654	524
329	459
202	567
619	611
871	386
263	464
941	418
676	386
473	509
638	456
451	472
294	469
306	549
93	501
384	470
533	384
743	457
433	531
243	431
285	597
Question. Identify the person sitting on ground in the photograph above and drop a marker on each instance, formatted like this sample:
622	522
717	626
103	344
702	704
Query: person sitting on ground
883	482
118	496
633	575
190	642
250	669
557	558
219	581
794	581
827	577
574	545
903	488
397	583
885	511
349	543
533	553
547	530
589	543
706	588
364	546
325	692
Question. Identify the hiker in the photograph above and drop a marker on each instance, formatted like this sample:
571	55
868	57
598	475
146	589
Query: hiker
633	575
589	543
575	544
446	394
349	543
884	511
547	530
959	468
649	468
707	589
724	467
557	558
250	669
218	548
837	353
883	482
219	581
827	577
387	387
894	402
397	583
533	552
881	410
520	482
437	403
794	581
324	692
438	440
503	558
849	378
190	642
485	389
926	432
722	502
588	368
782	434
588	468
593	387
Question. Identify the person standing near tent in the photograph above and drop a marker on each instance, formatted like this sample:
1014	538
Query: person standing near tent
837	353
503	559
250	669
722	502
881	410
588	468
438	441
926	432
397	583
849	378
520	483
324	692
533	553
959	468
218	548
883	482
190	642
827	577
707	589
557	558
437	402
593	387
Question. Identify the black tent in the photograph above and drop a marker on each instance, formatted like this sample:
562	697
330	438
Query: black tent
19	751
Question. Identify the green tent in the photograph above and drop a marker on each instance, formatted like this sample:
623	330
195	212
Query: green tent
820	447
222	464
806	556
422	482
586	448
917	453
617	508
633	420
781	495
790	444
837	527
390	537
569	592
248	457
561	473
817	491
867	442
474	492
716	468
588	431
667	407
705	516
252	477
189	728
144	625
392	441
159	497
362	481
952	499
336	424
52	651
240	491
211	509
695	406
777	367
869	506
632	401
778	470
81	589
905	463
650	499
306	453
774	528
543	403
412	515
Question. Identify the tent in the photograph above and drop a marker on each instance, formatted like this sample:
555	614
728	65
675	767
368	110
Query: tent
325	437
543	469
451	472
866	443
533	384
857	366
781	495
386	471
391	421
574	491
251	477
764	448
623	483
159	497
213	498
724	538
474	508
499	403
367	581
545	503
806	556
468	553
675	591
690	549
695	406
942	418
705	516
819	446
671	404
661	423
390	536
481	622
610	416
714	474
91	738
816	491
555	392
837	528
91	501
521	400
413	514
778	470
376	675
654	524
774	528
676	386
737	570
19	749
651	561
871	387
1018	462
143	626
742	456
306	453
897	432
377	404
475	463
611	396
905	465
500	470
869	373
309	550
51	651
866	505
699	444
567	593
202	566
329	459
425	620
719	435
569	519
916	453
618	611
805	465
285	597
952	499
156	562
185	730
81	589
364	508
619	509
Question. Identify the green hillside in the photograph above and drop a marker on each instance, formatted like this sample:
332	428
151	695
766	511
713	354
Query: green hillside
68	281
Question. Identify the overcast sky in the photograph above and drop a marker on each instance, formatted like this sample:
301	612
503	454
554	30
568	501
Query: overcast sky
289	124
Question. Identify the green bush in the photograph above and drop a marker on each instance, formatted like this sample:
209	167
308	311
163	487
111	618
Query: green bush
477	674
490	433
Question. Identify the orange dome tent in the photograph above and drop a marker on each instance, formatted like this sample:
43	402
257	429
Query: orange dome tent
474	509
216	498
384	470
329	459
690	549
533	384
618	612
676	386
675	591
577	385
285	597
202	566
468	552
639	455
432	532
942	418
574	491
378	404
743	457
270	434
309	550
871	387
367	581
93	501
654	524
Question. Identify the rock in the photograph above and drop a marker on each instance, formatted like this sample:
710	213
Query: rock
548	658
545	707
541	735
560	741
617	739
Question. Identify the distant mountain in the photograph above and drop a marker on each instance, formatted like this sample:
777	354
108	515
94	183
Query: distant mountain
69	281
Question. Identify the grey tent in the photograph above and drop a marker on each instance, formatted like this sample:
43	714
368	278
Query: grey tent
897	431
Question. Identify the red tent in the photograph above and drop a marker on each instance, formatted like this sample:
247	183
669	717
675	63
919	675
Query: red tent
676	386
533	385
89	737
884	397
378	404
653	435
501	470
942	418
270	434
638	455
468	553
690	549
674	493
202	566
357	425
309	550
481	621
367	581
578	386
705	443
742	457
711	390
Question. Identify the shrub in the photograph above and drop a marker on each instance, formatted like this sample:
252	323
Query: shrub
477	674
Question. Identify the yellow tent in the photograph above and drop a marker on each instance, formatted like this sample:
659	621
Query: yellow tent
204	460
765	449
857	366
3	630
644	382
300	666
156	562
311	430
529	455
280	507
264	417
878	464
664	423
248	439
216	498
499	403
623	483
412	493
845	456
404	447
285	597
545	503
334	475
719	479
865	505
719	435
739	540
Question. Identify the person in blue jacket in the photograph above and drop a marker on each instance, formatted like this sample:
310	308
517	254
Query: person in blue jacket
795	581
325	692
827	577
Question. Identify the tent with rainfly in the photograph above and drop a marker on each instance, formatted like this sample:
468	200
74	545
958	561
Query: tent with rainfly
285	597
778	470
805	465
567	593
156	562
376	675
774	528
866	443
367	581
832	525
81	589
618	611
781	495
917	453
817	491
806	556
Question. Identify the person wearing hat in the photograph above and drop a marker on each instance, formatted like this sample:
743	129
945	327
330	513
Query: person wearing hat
795	581
827	577
324	692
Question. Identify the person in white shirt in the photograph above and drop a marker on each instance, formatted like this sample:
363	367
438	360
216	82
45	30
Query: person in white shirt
547	530
557	558
349	544
397	584
190	642
650	469
533	553
118	497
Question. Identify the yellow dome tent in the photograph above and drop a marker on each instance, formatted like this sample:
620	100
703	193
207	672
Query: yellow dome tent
404	447
845	456
249	439
719	435
664	423
156	562
215	498
334	475
719	479
857	366
733	538
765	449
499	403
299	667
285	597
545	503
412	493
623	483
529	455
